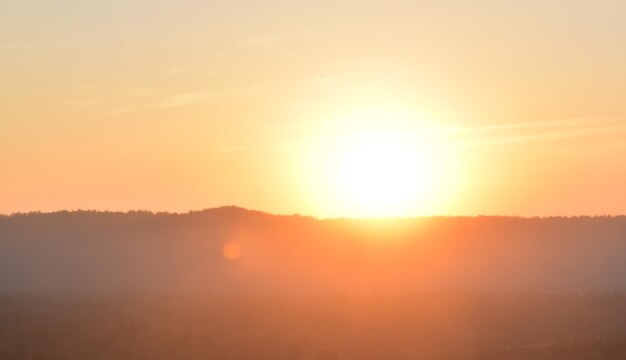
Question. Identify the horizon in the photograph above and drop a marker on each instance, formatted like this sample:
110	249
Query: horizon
258	211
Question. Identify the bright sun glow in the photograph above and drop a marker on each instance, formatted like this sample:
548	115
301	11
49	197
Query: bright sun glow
379	164
381	174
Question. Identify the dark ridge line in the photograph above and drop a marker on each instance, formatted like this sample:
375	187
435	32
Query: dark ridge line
235	208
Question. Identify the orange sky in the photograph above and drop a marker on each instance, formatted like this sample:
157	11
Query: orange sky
517	108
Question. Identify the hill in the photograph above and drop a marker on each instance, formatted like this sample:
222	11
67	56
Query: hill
137	252
139	285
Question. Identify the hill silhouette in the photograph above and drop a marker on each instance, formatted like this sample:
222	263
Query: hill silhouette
89	251
230	283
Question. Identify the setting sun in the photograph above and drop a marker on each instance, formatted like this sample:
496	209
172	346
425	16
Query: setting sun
379	162
381	174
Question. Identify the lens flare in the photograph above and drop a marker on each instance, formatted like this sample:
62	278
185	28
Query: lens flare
231	250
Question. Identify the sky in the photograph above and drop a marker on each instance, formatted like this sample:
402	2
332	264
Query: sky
508	107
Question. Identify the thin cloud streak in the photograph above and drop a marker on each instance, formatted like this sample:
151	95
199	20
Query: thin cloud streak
28	46
190	98
187	99
549	136
265	40
176	70
494	135
547	125
233	149
530	131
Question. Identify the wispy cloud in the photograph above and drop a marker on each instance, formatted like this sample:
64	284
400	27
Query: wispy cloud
137	27
322	79
535	131
265	40
546	125
118	111
137	92
346	77
196	97
175	70
28	46
187	98
233	149
85	102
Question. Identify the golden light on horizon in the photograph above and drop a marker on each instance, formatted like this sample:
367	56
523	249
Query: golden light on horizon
380	174
380	162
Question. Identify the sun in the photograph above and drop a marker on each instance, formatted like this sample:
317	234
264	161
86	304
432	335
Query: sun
380	174
382	162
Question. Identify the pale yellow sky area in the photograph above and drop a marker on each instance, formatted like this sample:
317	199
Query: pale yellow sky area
494	107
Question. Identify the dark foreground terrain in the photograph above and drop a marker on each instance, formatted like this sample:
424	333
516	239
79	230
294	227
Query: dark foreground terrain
342	327
89	285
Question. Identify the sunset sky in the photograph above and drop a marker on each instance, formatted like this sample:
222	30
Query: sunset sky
473	107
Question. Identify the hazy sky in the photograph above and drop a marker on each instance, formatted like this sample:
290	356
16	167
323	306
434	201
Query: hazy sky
179	105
